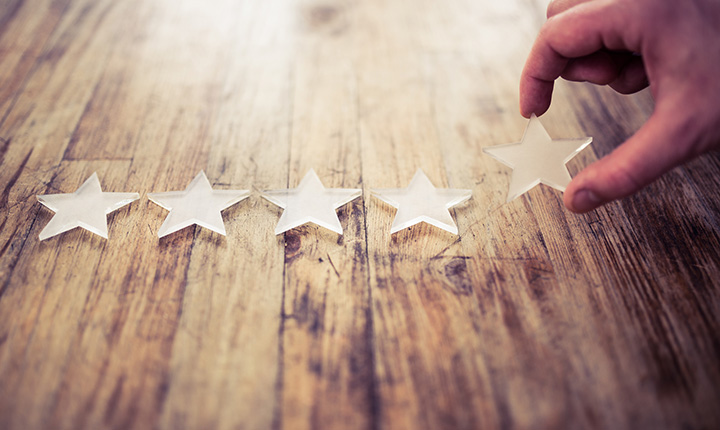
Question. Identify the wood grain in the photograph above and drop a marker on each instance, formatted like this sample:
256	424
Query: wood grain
532	317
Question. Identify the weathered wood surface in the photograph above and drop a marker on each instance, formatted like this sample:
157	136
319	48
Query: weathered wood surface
531	318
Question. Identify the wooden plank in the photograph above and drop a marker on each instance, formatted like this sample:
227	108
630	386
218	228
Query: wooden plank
327	370
419	324
232	377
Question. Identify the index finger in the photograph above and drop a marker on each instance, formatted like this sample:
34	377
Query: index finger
577	32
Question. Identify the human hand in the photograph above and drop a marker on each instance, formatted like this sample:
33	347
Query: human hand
598	41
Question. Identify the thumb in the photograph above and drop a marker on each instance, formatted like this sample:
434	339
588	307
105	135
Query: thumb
664	142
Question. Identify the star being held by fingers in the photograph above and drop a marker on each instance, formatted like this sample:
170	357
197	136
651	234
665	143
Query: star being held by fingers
422	202
87	208
537	159
310	202
198	204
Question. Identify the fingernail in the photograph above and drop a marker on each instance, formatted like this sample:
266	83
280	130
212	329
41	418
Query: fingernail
585	200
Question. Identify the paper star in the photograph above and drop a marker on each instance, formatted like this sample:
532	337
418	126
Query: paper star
198	204
87	208
310	202
421	201
537	159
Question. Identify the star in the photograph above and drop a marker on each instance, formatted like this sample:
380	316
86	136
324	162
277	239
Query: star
537	159
198	204
421	201
310	202
87	208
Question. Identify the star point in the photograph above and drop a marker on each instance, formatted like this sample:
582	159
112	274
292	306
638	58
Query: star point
197	204
422	202
310	202
537	159
87	207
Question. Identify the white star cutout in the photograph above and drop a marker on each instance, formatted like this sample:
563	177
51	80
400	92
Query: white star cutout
87	208
198	204
310	202
537	159
421	201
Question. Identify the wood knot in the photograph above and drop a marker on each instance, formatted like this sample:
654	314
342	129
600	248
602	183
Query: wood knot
456	273
292	245
320	16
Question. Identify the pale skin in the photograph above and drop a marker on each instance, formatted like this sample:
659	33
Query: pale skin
671	46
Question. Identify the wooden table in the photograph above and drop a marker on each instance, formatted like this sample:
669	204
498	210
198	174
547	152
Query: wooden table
532	317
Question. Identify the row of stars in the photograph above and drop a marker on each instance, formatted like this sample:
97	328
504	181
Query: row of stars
536	159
